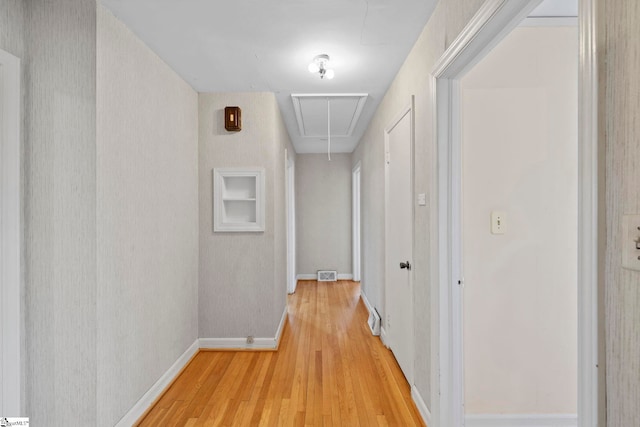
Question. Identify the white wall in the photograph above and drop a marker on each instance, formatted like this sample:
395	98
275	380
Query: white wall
147	217
60	212
242	287
323	217
519	113
447	20
12	40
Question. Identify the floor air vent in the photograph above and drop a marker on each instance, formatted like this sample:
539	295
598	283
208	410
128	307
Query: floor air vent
327	276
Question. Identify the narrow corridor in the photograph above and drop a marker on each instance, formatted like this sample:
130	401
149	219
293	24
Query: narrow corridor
329	370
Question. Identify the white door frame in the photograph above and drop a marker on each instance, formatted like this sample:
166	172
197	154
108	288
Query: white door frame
408	109
494	20
290	194
11	242
355	223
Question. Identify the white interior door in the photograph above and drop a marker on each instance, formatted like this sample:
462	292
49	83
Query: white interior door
399	242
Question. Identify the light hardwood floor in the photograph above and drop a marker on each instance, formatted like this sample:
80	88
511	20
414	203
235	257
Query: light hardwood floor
328	371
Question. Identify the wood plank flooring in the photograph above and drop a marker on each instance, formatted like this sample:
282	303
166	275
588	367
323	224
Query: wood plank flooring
328	371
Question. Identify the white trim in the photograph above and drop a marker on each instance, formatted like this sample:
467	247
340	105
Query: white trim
280	329
421	405
295	99
356	217
11	281
522	420
550	21
588	398
220	223
158	388
239	343
366	302
290	194
314	276
494	20
383	335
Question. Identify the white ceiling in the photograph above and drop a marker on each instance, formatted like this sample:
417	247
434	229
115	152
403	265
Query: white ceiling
258	45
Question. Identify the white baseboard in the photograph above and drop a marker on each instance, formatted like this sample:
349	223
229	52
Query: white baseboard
283	319
241	343
422	407
156	390
522	420
366	302
383	336
315	276
238	344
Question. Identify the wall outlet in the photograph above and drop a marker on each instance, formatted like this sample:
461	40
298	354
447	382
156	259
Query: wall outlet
631	242
498	222
250	339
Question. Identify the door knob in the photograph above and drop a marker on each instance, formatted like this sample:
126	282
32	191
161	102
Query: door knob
406	265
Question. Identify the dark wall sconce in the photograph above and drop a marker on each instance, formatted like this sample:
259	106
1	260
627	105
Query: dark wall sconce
232	120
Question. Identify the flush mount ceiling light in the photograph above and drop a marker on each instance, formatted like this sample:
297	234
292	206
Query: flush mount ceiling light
319	65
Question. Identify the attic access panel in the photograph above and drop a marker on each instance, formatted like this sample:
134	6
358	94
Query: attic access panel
311	113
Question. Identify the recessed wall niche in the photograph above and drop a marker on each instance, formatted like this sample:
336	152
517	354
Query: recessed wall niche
238	199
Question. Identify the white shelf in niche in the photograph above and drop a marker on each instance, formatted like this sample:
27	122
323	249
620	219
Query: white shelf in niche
238	199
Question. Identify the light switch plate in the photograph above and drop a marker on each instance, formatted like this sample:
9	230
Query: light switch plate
422	199
498	222
630	235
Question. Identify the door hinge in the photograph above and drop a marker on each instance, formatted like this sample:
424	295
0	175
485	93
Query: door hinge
387	156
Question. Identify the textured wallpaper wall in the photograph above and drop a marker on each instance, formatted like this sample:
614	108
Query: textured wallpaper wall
147	218
323	216
60	212
12	40
448	19
619	50
242	275
12	29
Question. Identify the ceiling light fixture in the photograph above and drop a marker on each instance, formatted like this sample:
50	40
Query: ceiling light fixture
319	65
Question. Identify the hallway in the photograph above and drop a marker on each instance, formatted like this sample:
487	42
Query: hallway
329	370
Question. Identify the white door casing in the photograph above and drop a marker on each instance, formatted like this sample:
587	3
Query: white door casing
290	196
356	219
10	238
398	319
492	22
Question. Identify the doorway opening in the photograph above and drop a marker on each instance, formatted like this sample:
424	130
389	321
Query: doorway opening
519	227
490	25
